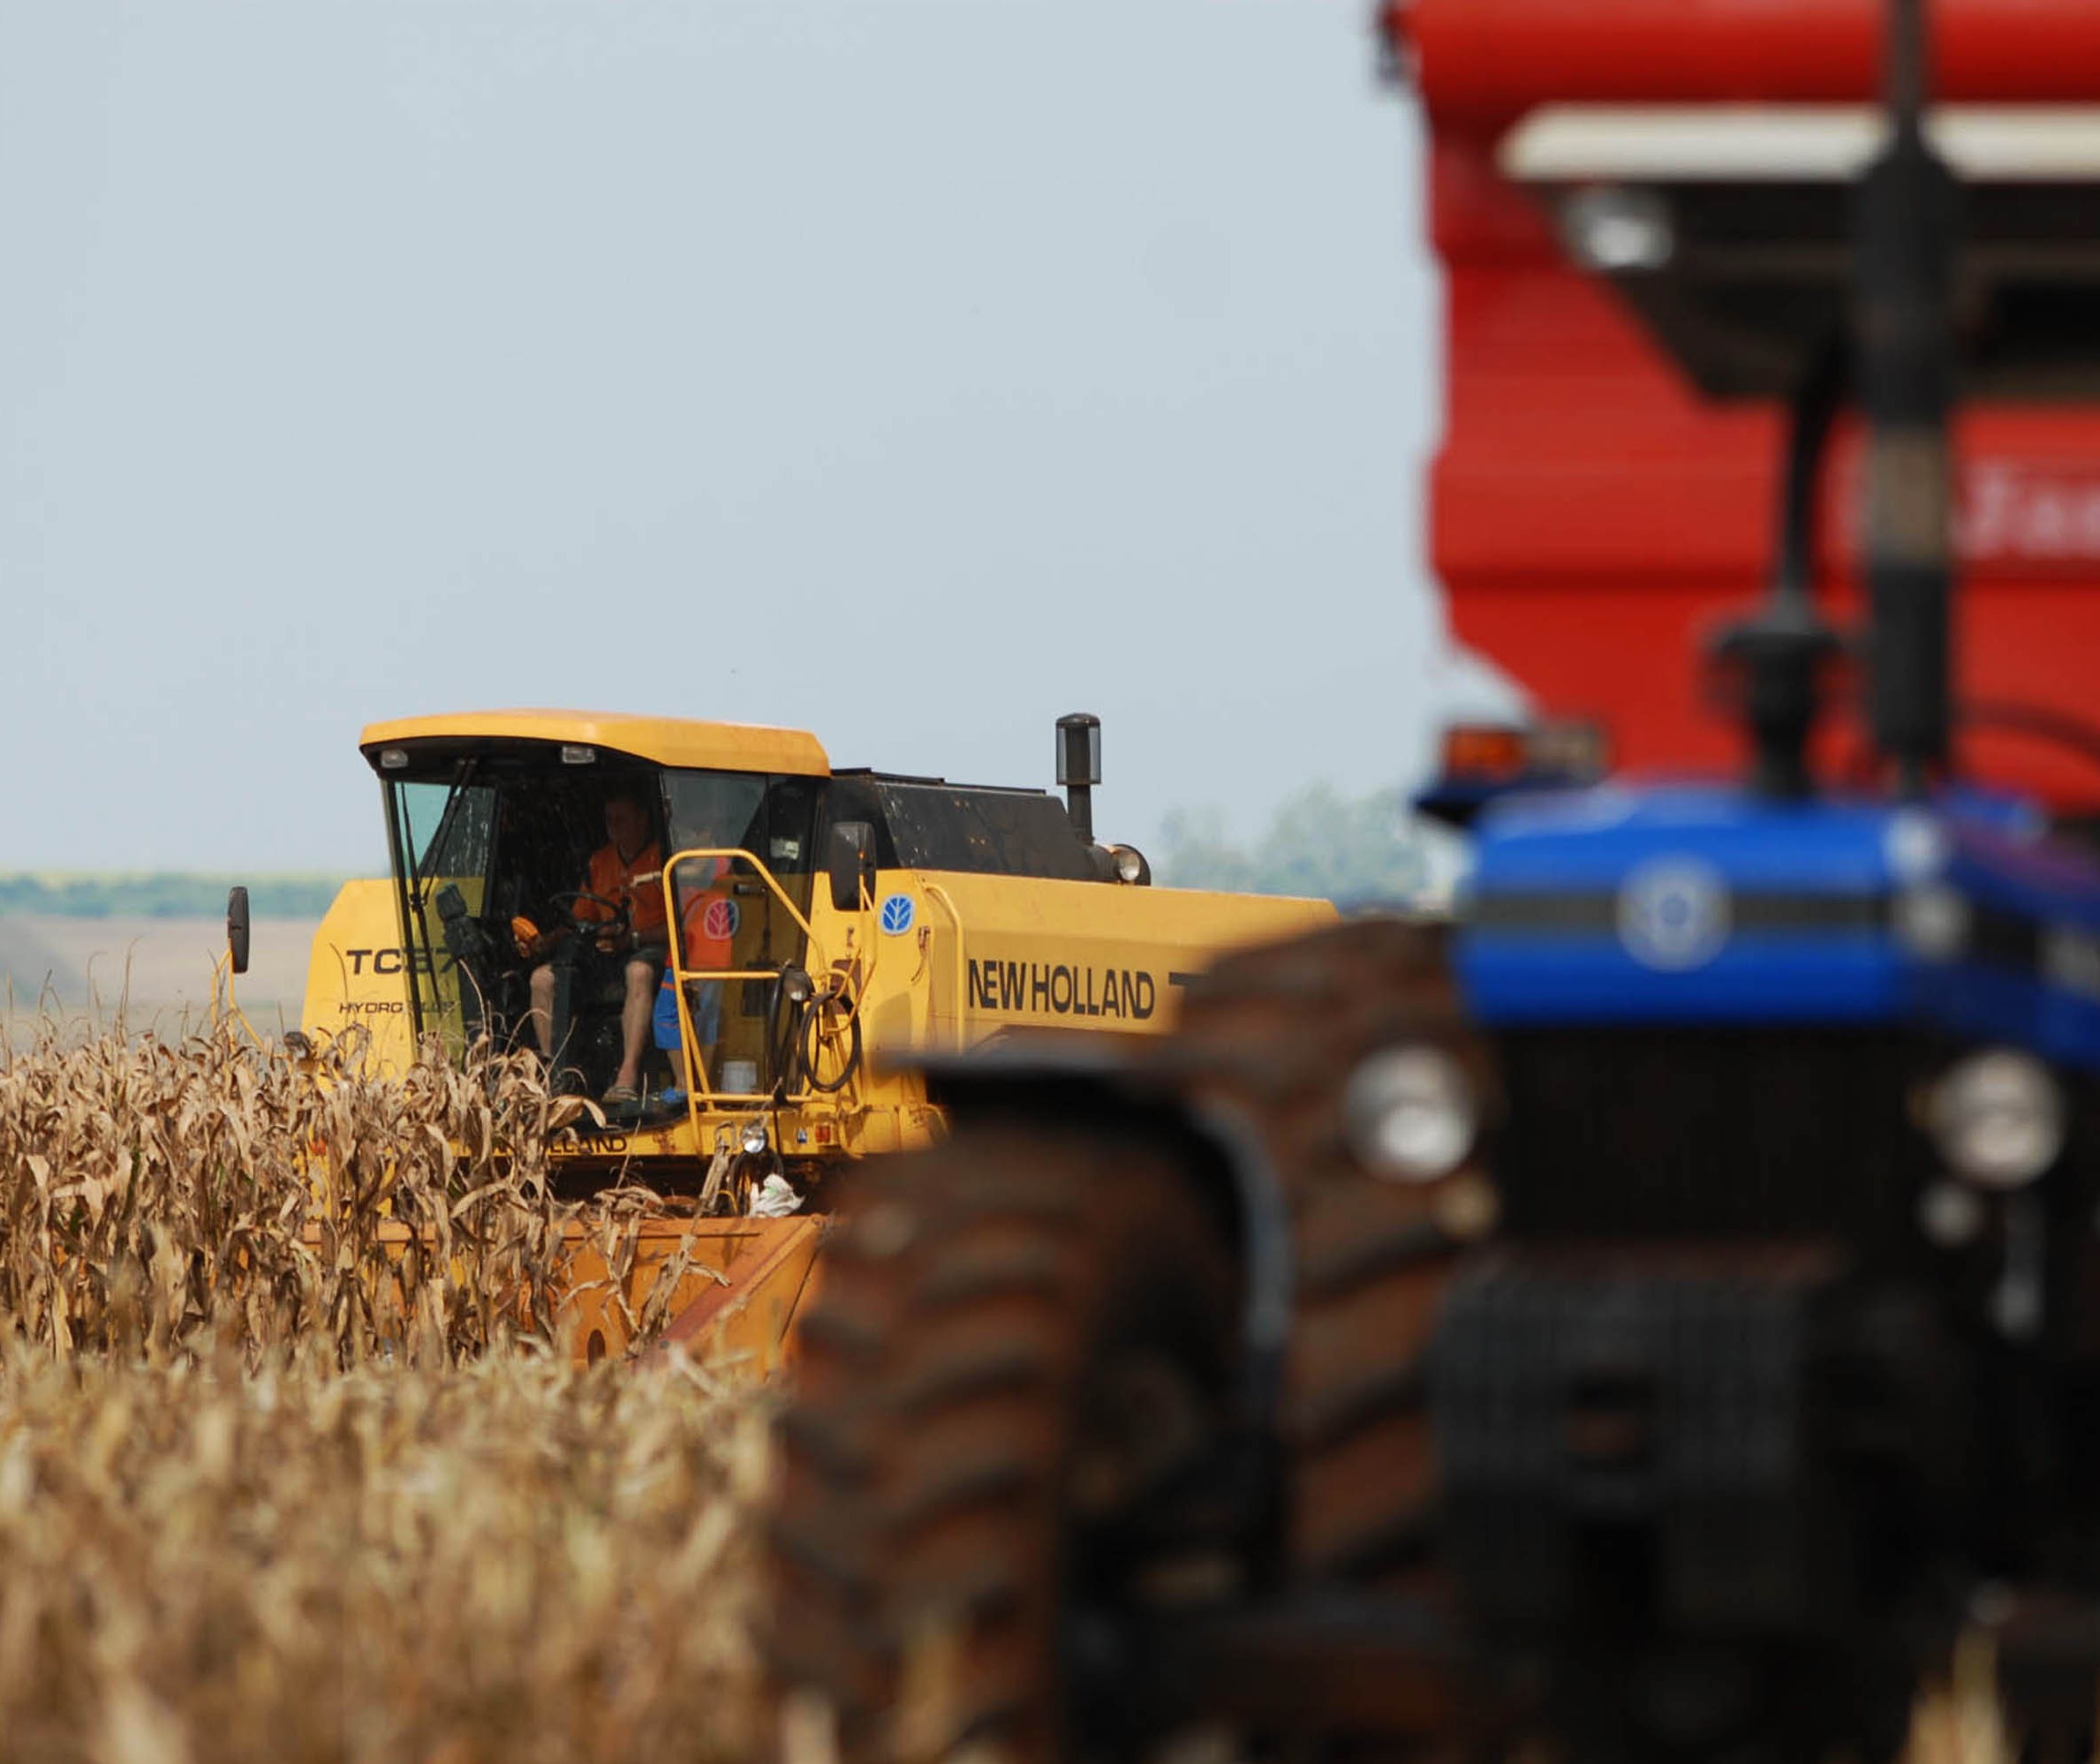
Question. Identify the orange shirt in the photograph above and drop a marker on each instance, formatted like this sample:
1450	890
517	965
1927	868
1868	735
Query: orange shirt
635	883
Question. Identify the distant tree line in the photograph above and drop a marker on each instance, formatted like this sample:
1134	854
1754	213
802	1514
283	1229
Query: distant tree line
1353	850
165	894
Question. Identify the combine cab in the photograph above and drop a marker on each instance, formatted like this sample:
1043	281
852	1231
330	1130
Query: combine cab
733	955
1657	1315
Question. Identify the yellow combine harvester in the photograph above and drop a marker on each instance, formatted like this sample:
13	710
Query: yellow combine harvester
740	955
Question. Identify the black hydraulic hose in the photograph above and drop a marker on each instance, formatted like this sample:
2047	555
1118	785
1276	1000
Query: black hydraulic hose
805	1047
1781	648
1815	404
2060	729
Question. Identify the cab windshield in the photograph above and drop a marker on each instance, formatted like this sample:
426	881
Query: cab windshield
531	897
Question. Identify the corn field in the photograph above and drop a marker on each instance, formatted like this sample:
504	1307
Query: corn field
281	1480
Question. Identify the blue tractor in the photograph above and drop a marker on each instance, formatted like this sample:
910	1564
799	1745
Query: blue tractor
1654	1314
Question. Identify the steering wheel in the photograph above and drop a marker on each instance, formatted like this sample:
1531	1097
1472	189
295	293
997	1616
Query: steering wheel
618	923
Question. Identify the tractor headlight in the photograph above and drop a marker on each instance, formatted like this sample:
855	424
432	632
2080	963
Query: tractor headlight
1409	1113
1932	921
753	1137
1997	1118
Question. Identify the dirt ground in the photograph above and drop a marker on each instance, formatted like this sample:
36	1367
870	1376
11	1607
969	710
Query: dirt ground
156	968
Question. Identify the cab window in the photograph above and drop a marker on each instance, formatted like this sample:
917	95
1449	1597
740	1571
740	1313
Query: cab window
445	828
773	819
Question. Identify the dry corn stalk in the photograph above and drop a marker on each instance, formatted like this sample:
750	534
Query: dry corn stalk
288	1468
155	1195
508	1559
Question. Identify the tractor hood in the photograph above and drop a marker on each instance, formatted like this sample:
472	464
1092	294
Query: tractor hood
1702	905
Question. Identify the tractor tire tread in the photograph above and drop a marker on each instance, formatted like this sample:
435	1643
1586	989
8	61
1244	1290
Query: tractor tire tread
1342	1411
943	1356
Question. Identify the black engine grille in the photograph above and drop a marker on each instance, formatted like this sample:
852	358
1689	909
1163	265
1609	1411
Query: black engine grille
1672	1132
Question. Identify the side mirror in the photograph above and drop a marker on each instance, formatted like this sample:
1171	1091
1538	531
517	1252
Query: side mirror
236	929
851	863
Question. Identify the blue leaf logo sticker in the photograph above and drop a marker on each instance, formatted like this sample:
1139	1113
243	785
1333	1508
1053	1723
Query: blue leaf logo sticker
1674	913
897	914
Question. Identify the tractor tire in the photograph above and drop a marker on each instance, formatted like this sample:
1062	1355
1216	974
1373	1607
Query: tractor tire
1272	1035
1024	1342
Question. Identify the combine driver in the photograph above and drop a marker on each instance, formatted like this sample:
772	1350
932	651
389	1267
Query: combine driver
622	890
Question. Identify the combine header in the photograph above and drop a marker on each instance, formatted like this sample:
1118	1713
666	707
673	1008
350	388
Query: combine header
1657	1316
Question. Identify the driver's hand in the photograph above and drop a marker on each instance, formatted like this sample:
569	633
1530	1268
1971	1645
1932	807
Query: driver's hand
527	936
612	942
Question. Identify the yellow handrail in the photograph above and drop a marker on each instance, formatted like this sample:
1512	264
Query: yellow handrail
934	892
671	902
699	1083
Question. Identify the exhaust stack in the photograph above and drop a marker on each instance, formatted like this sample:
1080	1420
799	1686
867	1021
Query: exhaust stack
1079	768
1908	221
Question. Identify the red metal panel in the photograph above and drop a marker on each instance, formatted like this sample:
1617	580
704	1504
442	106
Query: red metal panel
1591	513
1490	60
2021	642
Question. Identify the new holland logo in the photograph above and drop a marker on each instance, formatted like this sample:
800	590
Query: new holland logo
897	913
720	921
1673	914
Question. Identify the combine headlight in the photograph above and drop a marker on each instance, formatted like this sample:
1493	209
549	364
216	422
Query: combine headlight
1409	1113
1129	865
1997	1118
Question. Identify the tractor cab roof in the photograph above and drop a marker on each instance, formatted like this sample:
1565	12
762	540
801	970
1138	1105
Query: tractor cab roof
660	740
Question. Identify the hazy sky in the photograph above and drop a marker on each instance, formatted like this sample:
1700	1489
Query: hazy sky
907	370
